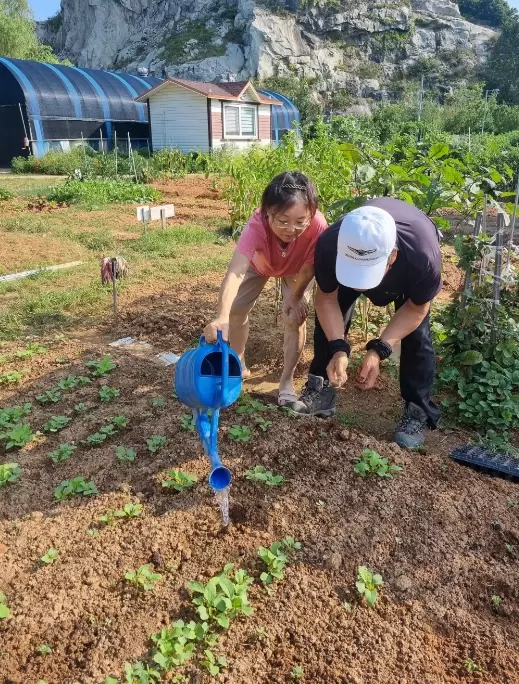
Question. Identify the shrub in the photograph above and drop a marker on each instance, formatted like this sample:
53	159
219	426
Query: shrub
5	194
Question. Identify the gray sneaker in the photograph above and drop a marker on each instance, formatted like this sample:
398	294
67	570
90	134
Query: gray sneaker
318	398
410	431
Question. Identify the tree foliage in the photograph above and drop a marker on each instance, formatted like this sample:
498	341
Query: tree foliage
493	13
503	66
18	33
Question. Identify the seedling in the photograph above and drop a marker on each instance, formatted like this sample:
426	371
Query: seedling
276	558
249	406
4	609
124	454
262	424
62	453
75	487
509	548
139	673
108	518
290	545
187	422
372	463
100	369
178	480
108	393
80	408
240	433
93	532
472	666
72	381
143	577
61	360
496	601
297	674
9	473
18	435
176	644
321	504
158	403
130	510
120	422
51	396
108	430
96	439
348	607
260	474
11	377
50	557
213	664
511	502
223	597
13	416
56	424
30	350
367	584
44	650
156	443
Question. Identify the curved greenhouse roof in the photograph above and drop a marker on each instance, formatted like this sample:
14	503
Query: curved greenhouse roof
285	117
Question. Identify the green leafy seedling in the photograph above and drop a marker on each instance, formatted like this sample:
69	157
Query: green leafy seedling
51	396
108	430
249	406
108	393
71	382
213	664
30	350
372	463
223	597
96	439
140	673
510	548
56	424
275	558
187	422
100	369
143	577
129	510
11	377
18	436
367	583
13	416
49	558
75	487
120	422
158	403
496	601
240	433
107	518
511	501
176	644
178	480
4	609
9	473
44	650
156	442
262	424
62	453
297	674
80	408
261	474
125	454
472	667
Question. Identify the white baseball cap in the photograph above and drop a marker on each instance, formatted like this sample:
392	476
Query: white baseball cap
367	237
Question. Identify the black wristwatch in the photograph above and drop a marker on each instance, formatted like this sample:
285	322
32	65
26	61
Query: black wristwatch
383	349
335	346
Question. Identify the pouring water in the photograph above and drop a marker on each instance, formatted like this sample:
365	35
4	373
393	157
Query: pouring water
222	496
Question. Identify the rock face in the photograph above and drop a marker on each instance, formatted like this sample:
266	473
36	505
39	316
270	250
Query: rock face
356	46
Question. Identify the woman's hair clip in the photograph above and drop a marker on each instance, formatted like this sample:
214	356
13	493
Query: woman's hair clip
293	186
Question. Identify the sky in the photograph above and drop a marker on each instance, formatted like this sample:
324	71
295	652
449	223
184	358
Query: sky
43	9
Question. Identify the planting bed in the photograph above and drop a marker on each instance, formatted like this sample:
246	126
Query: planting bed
431	532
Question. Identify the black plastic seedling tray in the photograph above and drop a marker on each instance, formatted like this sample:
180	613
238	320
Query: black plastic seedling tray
493	462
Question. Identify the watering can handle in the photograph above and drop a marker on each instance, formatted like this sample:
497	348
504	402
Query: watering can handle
225	365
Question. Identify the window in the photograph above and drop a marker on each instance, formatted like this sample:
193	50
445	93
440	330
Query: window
240	121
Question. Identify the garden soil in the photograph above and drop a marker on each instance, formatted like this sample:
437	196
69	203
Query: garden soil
436	531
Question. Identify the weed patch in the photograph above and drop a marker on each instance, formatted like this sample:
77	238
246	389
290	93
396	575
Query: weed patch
102	192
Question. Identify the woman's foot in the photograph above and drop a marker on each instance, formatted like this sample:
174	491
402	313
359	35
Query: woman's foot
245	373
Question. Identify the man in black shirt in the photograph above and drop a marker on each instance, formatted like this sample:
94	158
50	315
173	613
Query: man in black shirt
387	250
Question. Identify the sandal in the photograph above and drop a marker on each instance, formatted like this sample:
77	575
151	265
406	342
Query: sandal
245	374
287	398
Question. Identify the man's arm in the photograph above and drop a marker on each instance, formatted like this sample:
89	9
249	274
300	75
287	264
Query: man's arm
405	321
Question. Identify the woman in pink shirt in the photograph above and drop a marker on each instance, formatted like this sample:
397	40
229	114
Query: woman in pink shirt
278	242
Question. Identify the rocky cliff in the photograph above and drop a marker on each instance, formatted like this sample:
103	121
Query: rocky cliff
359	46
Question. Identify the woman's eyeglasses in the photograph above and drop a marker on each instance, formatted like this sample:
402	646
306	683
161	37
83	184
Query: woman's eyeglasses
284	225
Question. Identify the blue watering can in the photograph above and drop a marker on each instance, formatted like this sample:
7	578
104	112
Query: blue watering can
207	379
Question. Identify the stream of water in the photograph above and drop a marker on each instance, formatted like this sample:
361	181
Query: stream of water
223	501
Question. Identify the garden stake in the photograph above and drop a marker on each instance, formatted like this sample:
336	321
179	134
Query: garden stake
468	274
114	283
163	218
115	150
497	275
512	225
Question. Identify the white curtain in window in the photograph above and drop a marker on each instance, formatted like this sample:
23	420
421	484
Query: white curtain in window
232	120
248	121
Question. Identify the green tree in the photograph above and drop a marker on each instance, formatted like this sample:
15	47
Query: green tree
490	12
18	33
503	65
300	90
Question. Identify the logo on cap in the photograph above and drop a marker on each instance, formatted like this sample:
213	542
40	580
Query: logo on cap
362	252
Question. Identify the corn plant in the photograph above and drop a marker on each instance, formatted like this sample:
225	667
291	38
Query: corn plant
187	422
108	393
17	435
224	597
240	433
260	474
49	558
156	442
212	663
75	487
178	480
367	584
125	454
62	453
4	609
11	377
9	473
144	578
100	369
372	463
51	396
56	424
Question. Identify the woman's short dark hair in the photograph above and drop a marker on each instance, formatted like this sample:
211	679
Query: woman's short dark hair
285	190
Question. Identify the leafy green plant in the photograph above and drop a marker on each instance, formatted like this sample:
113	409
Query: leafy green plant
372	463
262	424
511	502
18	435
249	406
49	558
51	396
497	601
178	480
71	382
129	510
9	473
56	424
44	650
100	369
108	430
101	191
158	403
62	453
96	439
297	674
140	673
510	548
125	454
240	433
176	644
108	393
223	597
80	408
212	663
156	442
276	558
4	609
261	474
143	577
120	422
472	667
75	487
187	422
14	415
11	377
5	195
367	583
32	349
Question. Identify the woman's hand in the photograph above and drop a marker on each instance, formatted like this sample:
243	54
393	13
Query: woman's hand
367	375
337	369
297	305
211	330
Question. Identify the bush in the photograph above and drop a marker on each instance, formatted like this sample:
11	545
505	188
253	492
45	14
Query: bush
5	194
102	192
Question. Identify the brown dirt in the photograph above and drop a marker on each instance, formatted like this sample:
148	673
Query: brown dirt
428	531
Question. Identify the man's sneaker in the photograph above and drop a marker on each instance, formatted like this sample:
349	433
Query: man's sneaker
318	398
410	432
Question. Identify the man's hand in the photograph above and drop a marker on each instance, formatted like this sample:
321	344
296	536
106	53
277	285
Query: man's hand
367	375
211	330
298	305
337	369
